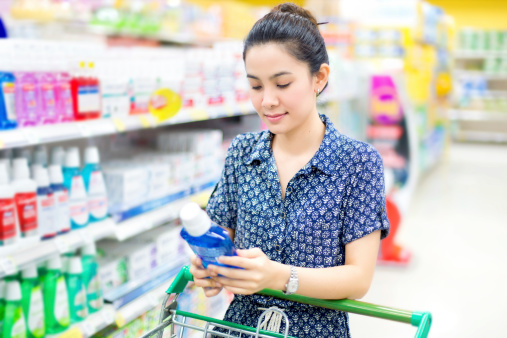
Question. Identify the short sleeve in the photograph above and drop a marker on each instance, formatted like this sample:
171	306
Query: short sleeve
365	202
223	204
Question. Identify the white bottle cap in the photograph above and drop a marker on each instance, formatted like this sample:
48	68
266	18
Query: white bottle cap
54	263
5	163
72	158
4	174
23	153
20	169
57	155
75	266
89	249
30	271
92	155
41	177
65	263
13	291
34	169
55	174
2	289
194	219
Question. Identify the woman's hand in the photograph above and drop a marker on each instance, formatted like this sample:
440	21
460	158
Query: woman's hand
211	287
258	272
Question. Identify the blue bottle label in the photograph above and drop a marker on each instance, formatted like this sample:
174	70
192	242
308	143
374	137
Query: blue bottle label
8	90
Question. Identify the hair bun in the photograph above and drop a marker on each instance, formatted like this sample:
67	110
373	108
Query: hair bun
296	10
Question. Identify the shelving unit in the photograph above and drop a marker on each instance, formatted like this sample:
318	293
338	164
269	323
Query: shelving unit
22	137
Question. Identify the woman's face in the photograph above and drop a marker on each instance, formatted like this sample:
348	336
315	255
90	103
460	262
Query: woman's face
282	89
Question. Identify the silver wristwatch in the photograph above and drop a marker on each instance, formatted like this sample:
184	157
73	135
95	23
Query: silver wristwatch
293	283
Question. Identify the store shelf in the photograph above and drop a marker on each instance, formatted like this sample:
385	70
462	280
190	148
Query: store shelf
91	325
481	136
480	74
476	115
22	137
462	54
16	257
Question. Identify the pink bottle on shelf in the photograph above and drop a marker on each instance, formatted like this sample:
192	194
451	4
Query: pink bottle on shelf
27	99
47	96
64	104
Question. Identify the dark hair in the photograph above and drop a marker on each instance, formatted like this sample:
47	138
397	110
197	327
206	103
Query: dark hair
296	29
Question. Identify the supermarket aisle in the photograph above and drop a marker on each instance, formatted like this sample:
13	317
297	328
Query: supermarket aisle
456	229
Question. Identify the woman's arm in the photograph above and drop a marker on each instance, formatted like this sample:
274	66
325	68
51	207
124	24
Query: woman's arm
351	280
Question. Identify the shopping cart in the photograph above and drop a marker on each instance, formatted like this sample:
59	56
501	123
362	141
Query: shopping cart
172	318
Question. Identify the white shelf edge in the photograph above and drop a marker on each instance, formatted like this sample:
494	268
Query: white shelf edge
22	137
481	136
478	73
463	54
477	115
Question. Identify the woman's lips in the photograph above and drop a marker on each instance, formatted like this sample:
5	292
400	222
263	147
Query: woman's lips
275	117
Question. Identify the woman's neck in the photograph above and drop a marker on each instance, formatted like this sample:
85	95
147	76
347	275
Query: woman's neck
306	138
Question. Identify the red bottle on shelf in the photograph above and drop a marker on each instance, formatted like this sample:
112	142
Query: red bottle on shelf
85	93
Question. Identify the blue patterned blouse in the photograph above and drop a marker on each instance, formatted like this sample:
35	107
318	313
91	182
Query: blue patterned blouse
336	198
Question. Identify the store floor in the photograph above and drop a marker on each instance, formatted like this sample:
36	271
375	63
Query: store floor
456	229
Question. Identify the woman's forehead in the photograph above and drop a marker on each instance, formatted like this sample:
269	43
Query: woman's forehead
269	59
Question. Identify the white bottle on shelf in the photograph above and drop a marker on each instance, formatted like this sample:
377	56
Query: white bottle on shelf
62	211
45	204
8	228
26	201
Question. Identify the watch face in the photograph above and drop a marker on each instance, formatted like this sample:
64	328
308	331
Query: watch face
292	286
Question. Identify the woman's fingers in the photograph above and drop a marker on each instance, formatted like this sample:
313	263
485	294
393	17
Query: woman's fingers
211	292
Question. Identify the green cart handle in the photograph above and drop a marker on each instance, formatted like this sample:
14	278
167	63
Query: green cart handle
422	320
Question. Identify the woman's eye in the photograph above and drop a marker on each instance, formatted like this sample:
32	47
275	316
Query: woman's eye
256	87
284	86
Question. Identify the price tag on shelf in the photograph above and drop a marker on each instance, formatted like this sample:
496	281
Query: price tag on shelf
62	245
8	265
229	111
199	115
31	136
145	121
74	332
119	320
2	144
119	125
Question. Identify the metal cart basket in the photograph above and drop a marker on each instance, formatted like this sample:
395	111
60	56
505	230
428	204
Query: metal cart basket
174	320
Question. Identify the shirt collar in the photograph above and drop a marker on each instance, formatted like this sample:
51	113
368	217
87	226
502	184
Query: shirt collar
330	143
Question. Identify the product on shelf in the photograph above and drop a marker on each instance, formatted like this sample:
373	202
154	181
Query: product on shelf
8	231
61	196
207	240
14	319
26	198
56	297
85	93
27	99
58	156
74	183
91	278
40	156
95	186
45	204
32	301
78	307
8	118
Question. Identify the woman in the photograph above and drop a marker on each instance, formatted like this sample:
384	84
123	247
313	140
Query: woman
304	203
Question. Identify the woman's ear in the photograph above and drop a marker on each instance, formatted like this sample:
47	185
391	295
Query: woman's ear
322	76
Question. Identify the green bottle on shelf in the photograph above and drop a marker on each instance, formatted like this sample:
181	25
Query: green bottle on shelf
14	319
56	299
2	305
91	279
33	306
77	294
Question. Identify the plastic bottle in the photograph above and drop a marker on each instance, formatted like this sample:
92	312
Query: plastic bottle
27	99
14	320
95	186
93	92
77	294
64	103
74	183
8	118
56	299
40	156
47	94
8	231
33	306
206	239
2	306
26	198
62	211
91	278
85	94
45	204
